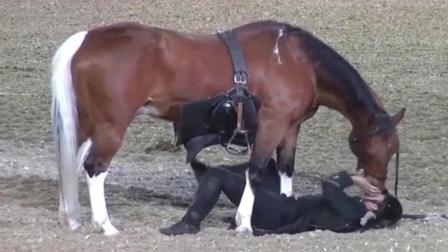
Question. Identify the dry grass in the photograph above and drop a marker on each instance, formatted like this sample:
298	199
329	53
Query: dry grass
401	47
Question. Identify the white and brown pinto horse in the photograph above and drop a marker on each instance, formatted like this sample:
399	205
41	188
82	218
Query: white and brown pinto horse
103	76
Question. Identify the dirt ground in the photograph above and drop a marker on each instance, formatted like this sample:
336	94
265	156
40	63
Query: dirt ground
400	47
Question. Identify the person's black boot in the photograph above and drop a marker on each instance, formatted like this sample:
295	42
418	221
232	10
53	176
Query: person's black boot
180	228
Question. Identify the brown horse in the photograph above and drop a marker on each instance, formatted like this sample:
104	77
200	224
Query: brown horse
104	76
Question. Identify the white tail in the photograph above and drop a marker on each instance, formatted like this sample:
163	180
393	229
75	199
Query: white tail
64	127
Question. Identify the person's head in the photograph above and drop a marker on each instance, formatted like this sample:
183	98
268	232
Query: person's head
388	213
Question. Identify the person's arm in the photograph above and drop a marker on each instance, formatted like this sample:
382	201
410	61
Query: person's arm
336	183
333	191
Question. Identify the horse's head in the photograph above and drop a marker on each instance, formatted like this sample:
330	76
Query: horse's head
374	144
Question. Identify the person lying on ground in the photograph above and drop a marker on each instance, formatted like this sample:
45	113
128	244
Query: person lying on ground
273	213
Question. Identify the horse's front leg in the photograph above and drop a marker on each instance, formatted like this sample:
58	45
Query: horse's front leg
270	132
286	157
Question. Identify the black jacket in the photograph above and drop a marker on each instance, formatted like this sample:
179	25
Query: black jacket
332	210
273	213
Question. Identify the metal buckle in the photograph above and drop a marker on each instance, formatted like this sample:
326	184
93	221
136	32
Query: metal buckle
240	78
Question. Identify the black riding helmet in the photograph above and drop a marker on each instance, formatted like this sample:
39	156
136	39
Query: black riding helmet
388	214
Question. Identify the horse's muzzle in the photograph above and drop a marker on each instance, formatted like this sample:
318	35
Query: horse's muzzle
378	182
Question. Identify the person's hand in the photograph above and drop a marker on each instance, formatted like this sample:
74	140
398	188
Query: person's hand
374	198
360	181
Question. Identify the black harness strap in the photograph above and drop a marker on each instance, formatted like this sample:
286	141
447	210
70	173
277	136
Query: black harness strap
210	121
240	81
239	65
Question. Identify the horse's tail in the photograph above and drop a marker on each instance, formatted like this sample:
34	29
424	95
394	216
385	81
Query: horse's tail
65	124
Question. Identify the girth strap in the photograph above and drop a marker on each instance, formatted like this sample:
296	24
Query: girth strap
239	65
240	81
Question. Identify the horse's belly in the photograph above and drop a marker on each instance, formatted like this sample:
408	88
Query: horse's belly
149	111
159	109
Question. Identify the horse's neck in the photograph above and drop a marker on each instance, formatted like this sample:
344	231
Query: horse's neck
356	109
339	85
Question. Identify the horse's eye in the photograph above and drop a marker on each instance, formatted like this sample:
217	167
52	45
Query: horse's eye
354	140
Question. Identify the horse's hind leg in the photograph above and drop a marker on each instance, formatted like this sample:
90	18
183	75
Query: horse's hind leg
106	141
286	158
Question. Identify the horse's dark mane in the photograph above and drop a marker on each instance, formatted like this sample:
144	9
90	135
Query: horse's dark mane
331	67
328	62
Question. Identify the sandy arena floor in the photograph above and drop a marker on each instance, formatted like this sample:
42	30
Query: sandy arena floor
400	47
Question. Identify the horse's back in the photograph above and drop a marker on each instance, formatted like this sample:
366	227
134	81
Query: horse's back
166	67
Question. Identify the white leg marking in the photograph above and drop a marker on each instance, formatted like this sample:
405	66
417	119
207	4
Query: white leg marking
244	213
100	217
276	50
285	184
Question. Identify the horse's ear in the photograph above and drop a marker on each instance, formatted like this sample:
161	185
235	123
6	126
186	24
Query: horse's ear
398	116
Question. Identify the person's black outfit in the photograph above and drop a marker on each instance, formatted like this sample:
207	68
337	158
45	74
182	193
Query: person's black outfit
274	213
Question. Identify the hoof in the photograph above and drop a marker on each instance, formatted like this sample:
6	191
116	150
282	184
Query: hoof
179	229
109	230
74	224
244	230
105	227
231	221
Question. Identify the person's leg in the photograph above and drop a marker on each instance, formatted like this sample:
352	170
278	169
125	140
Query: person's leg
270	181
199	168
212	183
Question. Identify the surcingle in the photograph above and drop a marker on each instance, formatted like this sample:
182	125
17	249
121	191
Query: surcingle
213	121
229	119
